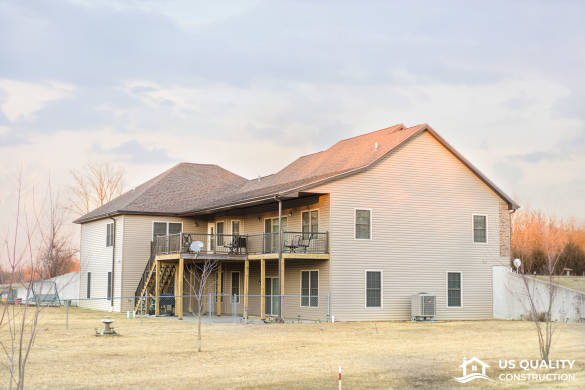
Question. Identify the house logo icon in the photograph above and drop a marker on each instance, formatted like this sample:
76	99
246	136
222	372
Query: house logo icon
472	369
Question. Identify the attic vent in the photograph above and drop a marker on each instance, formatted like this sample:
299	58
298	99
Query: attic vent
375	146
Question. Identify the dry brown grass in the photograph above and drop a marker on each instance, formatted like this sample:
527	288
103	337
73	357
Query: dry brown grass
574	282
392	355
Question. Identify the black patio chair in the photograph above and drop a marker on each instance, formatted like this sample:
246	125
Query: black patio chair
293	244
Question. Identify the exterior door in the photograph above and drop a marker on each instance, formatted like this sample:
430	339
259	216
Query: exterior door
211	237
271	241
272	293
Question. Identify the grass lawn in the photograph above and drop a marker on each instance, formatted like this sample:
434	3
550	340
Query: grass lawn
161	354
574	282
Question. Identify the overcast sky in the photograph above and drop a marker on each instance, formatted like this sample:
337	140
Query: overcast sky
253	85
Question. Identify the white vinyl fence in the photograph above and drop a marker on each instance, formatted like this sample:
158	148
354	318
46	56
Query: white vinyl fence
511	297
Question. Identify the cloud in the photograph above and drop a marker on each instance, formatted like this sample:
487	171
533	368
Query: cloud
20	100
134	152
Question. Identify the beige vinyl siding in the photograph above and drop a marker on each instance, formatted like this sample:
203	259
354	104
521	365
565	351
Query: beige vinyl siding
254	223
96	257
137	239
422	199
292	301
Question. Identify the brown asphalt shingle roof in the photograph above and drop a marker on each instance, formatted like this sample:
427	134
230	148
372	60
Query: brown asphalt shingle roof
191	188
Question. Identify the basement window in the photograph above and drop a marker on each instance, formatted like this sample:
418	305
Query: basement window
454	289
310	288
373	288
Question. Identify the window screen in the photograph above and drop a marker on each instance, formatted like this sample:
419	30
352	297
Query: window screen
159	229
310	288
175	227
235	228
479	228
362	224
373	289
109	234
454	289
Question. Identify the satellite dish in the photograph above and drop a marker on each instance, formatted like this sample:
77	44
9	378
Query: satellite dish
196	246
517	263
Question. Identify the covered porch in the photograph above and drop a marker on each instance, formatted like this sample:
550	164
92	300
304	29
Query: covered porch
248	286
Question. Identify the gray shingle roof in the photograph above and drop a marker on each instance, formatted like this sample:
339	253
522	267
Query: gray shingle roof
192	188
183	187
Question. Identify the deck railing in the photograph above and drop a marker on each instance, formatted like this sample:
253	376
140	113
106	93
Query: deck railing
243	244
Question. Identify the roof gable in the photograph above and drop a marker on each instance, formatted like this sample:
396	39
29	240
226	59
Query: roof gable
201	188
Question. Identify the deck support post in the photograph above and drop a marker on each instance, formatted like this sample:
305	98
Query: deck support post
281	306
180	282
246	286
262	289
218	295
191	287
157	289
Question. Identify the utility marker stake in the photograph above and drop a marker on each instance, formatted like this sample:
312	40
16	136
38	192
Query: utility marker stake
339	377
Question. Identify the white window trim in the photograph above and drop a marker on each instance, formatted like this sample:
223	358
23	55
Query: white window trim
167	222
113	238
460	289
371	223
301	288
318	219
232	226
239	285
486	229
366	288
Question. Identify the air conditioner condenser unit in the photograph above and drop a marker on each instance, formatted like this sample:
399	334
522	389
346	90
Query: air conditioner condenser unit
423	306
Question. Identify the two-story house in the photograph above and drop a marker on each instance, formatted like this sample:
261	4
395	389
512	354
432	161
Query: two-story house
351	232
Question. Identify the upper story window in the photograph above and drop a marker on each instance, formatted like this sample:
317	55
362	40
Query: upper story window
235	228
310	221
165	228
110	234
480	228
363	224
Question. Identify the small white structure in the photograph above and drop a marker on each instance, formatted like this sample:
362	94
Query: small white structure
511	297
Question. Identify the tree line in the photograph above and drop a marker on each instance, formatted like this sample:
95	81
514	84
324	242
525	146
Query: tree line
533	231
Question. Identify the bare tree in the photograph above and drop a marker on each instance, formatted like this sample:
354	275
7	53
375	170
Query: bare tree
196	281
541	305
94	185
56	251
19	322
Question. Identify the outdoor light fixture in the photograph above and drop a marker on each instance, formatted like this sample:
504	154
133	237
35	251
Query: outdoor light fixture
517	263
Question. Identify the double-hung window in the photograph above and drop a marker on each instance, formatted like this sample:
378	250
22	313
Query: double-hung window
166	228
110	234
310	288
480	228
363	224
454	289
373	288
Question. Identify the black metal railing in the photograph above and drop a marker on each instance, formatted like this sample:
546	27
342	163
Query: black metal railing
243	244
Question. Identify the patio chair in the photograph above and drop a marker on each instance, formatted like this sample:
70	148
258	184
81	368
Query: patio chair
293	244
305	242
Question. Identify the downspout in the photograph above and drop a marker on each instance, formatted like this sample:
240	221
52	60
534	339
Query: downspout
113	262
280	258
